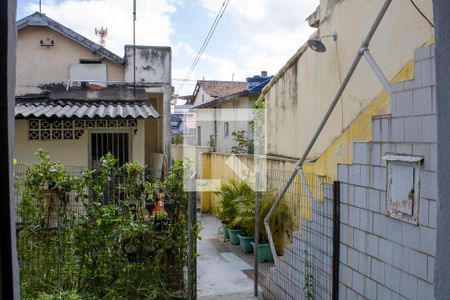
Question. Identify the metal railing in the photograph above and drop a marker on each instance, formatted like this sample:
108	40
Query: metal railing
362	51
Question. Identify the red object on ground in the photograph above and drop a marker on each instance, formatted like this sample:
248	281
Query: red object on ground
159	206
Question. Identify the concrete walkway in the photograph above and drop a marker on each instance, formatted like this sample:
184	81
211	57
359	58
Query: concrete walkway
220	271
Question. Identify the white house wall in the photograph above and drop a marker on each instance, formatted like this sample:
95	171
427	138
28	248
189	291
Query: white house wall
202	97
225	144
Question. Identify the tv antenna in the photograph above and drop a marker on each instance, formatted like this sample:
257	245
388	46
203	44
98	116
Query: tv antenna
102	33
134	48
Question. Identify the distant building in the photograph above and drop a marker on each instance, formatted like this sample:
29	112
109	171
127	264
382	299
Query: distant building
76	99
208	90
217	131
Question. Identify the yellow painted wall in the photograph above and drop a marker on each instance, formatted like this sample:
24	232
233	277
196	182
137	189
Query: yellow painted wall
68	152
341	149
298	101
43	65
138	143
215	166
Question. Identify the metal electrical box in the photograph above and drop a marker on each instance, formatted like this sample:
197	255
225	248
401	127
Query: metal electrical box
403	186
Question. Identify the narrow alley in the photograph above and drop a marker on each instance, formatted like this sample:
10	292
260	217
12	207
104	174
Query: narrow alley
221	272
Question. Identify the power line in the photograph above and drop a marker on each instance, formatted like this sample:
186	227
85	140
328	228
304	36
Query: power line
422	14
205	42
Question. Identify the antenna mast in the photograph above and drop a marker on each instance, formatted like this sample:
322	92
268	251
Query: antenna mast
102	33
40	6
134	48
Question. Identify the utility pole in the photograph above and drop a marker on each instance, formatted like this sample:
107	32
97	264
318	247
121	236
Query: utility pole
134	48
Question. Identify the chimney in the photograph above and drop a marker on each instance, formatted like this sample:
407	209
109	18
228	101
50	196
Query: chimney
264	73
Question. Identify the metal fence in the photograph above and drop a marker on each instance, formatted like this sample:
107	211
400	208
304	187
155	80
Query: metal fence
305	271
20	173
51	258
111	194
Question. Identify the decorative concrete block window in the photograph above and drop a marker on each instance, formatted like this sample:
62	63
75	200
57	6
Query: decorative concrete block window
403	186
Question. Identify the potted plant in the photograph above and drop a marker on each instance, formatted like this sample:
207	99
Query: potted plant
281	224
231	194
245	219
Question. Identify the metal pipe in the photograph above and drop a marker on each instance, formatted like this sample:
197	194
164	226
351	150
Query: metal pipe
256	230
341	89
336	239
376	69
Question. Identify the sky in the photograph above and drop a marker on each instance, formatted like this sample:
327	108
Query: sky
252	36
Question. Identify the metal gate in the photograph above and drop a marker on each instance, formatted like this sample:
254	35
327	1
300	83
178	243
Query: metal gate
116	143
119	145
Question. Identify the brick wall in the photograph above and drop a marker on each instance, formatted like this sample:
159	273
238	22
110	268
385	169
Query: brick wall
383	257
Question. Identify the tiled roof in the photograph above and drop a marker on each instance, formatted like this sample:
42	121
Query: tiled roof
84	109
110	102
220	88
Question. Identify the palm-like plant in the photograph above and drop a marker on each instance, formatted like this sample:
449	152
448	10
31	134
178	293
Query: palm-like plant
231	194
281	221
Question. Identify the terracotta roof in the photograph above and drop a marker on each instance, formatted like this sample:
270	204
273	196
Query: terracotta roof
220	88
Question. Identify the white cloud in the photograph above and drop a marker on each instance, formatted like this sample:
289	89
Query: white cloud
153	25
272	31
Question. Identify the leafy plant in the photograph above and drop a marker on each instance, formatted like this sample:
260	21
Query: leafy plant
212	141
231	193
243	145
177	139
105	251
281	222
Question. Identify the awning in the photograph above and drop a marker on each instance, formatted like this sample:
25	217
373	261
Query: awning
84	109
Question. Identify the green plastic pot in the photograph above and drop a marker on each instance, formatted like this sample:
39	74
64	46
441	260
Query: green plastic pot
245	242
234	235
264	252
226	234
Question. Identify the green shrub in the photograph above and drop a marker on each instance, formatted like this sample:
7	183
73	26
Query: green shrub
111	251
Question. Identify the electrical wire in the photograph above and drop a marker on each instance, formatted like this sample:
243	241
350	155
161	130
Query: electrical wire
421	13
205	42
338	67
